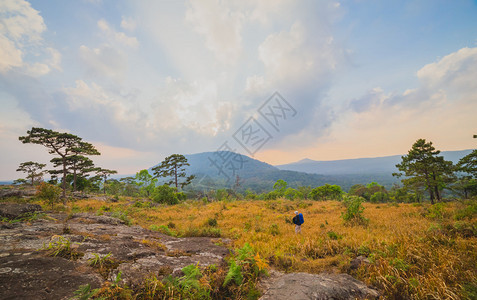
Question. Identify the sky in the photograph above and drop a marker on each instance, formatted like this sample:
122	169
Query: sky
279	80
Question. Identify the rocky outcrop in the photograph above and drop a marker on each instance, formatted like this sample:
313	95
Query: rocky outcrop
13	211
299	286
15	191
27	273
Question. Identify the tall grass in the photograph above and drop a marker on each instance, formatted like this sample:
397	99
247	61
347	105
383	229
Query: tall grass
415	251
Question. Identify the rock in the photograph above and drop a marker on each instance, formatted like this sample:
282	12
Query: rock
358	261
298	286
17	192
15	210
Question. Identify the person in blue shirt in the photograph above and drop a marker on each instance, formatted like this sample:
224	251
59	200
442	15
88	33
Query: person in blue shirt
298	220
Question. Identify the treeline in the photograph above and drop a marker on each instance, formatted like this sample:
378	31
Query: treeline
423	173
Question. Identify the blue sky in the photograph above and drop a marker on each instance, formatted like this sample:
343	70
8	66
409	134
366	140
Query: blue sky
144	79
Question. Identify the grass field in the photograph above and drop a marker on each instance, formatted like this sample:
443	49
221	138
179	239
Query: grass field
415	251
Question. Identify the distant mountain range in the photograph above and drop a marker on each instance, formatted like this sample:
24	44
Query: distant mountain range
219	169
376	165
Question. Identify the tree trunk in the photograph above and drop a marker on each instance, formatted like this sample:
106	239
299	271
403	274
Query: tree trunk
64	181
74	177
175	175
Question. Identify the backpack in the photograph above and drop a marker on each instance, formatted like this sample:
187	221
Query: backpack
295	220
301	219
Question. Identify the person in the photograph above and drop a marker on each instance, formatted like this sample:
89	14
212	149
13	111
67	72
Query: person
298	220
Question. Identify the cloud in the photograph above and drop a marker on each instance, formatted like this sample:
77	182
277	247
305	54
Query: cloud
103	61
221	24
128	23
21	42
457	70
117	37
441	108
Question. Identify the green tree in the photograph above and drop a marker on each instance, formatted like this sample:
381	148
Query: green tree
167	195
78	166
467	182
423	166
146	182
33	170
280	187
104	174
130	186
174	167
59	143
326	192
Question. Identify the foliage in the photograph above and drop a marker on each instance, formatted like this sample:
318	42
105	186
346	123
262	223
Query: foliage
146	182
33	171
173	167
62	247
64	145
423	167
468	164
49	192
354	211
84	292
166	195
326	192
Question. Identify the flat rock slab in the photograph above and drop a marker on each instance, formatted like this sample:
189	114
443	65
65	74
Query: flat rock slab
302	286
26	272
12	211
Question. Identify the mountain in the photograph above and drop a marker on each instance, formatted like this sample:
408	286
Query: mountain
219	170
361	166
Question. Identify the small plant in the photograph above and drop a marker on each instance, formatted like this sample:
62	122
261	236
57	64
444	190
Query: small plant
103	263
354	211
163	229
333	235
62	247
98	260
49	192
122	216
84	292
212	222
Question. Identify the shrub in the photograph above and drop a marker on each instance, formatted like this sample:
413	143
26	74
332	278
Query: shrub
354	211
48	192
166	194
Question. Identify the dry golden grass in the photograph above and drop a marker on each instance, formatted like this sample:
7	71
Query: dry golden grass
412	253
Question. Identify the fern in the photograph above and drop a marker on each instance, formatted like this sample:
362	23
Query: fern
234	273
84	292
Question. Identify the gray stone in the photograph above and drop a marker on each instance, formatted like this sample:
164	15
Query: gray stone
15	210
299	286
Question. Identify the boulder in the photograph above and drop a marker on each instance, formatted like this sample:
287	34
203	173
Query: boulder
15	210
298	286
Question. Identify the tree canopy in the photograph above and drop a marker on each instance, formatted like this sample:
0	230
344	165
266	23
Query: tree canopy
422	166
64	145
173	167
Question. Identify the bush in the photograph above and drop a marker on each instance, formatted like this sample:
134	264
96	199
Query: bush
379	197
354	211
326	192
48	192
166	194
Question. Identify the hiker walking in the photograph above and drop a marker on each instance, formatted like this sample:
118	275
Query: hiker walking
298	220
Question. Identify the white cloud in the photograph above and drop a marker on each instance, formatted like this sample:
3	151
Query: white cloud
221	25
103	61
457	69
128	23
441	109
21	43
117	36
